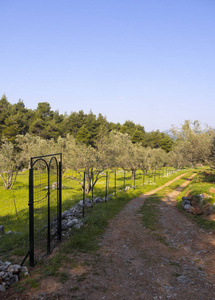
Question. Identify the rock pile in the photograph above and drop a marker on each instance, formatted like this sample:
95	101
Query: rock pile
10	274
72	217
196	204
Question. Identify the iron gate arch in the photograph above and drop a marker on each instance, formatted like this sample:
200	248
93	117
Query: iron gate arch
45	197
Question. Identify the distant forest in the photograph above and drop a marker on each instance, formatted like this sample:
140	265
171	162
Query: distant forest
16	119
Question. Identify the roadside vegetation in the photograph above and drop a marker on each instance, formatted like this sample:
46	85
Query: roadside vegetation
201	187
201	190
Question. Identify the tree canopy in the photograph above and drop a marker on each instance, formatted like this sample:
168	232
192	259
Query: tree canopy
87	128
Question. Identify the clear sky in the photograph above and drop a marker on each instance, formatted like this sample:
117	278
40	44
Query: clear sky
152	62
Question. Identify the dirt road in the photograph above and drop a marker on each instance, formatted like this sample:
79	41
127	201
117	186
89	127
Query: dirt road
134	263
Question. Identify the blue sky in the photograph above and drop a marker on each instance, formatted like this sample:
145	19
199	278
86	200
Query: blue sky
152	62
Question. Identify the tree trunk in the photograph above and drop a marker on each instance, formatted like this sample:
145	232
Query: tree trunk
9	181
133	174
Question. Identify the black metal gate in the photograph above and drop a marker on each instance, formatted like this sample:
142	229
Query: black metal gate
45	184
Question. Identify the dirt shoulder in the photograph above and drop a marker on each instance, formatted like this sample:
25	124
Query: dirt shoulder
134	263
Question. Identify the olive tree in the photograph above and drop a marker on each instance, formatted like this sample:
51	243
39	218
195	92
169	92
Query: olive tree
136	158
193	142
81	158
9	163
116	150
158	158
31	146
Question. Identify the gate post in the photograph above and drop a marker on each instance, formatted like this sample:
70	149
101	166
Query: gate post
115	183
60	200
84	195
106	187
31	218
49	229
92	179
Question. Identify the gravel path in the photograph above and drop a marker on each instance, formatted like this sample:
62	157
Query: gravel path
134	263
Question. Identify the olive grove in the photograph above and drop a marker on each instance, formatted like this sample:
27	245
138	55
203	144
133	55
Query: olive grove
112	150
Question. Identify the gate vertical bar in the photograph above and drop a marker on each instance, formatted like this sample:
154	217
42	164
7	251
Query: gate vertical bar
31	218
124	180
60	200
92	182
84	195
115	182
49	230
106	187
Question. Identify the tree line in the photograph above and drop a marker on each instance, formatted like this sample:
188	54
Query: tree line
16	119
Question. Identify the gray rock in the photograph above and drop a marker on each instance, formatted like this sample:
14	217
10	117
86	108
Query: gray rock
11	269
109	196
17	268
9	232
77	207
53	231
64	214
70	213
88	203
7	264
185	202
81	203
63	226
9	274
54	185
5	276
72	222
24	269
2	288
127	188
187	207
186	198
98	200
